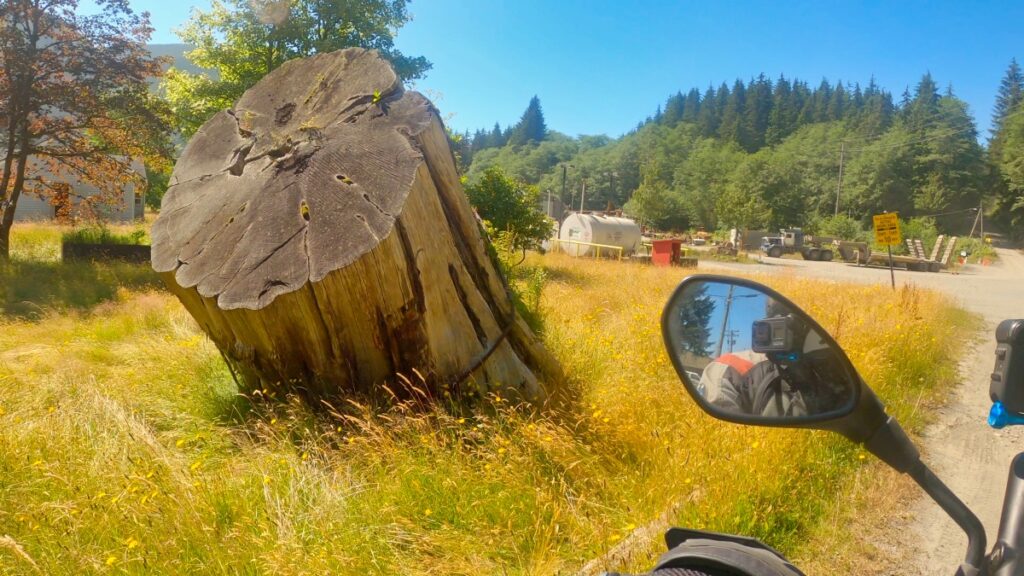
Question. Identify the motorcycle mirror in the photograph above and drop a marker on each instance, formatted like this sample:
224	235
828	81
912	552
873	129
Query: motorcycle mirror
746	354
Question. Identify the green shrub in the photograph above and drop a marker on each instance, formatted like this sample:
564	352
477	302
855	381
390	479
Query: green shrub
976	249
842	227
509	206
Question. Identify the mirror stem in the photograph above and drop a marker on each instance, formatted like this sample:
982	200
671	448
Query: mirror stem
892	445
957	510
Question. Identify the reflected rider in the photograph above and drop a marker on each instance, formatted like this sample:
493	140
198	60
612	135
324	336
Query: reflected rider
790	371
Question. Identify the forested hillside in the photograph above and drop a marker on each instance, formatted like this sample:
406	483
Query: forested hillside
766	154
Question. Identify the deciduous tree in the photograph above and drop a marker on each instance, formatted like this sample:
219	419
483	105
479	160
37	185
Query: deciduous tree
74	101
243	40
511	207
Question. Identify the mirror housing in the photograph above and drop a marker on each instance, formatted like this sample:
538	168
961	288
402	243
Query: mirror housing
861	418
760	359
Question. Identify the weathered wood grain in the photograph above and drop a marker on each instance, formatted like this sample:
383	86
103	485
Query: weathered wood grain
318	232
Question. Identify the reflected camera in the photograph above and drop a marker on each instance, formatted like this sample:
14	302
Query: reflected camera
773	335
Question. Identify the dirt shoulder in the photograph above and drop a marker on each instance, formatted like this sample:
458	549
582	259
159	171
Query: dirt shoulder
969	456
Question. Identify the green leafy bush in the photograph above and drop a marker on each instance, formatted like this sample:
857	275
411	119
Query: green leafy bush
842	227
509	206
977	250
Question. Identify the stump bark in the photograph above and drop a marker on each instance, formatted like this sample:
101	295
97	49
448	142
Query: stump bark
319	234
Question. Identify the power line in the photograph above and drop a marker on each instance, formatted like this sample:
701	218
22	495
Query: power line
947	213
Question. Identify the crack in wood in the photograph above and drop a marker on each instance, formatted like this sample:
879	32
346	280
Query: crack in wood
237	165
269	285
362	219
366	196
473	318
276	248
243	132
469	258
412	268
296	161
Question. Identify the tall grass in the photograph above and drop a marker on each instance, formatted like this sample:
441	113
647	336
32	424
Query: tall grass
35	282
125	447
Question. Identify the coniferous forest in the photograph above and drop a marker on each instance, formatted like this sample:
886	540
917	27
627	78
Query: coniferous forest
766	154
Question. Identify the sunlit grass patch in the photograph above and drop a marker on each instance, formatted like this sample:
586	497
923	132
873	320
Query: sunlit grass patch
125	446
36	282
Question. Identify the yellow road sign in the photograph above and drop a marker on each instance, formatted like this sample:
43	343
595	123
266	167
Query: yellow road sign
887	229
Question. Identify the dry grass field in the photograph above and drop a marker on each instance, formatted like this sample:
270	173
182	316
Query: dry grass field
125	446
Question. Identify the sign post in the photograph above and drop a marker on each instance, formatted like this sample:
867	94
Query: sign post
887	232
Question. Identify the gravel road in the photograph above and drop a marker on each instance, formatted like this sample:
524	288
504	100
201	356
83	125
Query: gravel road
970	457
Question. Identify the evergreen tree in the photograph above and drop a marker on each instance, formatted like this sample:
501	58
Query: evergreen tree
497	138
857	100
531	127
837	103
780	120
674	107
717	159
877	114
801	96
1010	202
732	127
707	117
691	106
923	109
905	101
949	163
758	112
480	141
1010	94
820	101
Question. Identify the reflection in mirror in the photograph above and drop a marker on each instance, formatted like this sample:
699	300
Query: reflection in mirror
747	354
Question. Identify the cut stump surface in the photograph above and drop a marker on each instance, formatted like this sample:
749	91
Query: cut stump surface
319	234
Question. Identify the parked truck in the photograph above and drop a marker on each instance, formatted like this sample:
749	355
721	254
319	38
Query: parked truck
792	241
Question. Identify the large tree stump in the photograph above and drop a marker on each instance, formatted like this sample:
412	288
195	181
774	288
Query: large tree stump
320	236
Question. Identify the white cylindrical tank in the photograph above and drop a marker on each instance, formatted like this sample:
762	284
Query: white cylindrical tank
594	229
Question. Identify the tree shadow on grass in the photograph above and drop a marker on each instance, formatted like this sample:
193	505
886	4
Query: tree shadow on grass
567	275
29	290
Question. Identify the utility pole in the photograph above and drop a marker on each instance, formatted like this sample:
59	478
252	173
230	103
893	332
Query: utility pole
725	322
583	195
611	184
564	166
732	336
981	215
839	187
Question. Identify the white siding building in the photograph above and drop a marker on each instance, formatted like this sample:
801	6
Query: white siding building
130	206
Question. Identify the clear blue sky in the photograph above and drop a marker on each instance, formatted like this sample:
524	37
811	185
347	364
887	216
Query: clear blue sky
603	66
